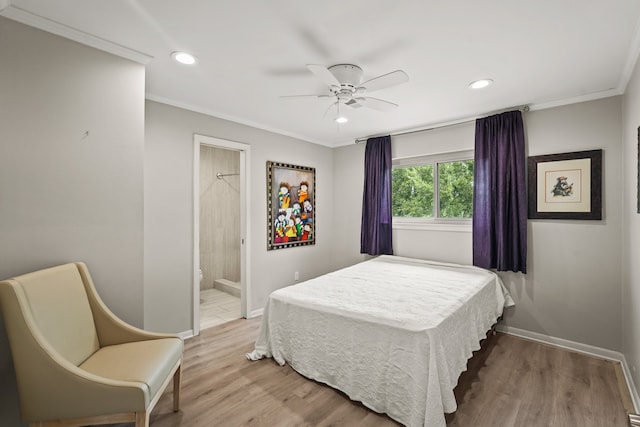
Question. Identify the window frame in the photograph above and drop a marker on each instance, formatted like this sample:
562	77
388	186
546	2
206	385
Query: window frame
436	223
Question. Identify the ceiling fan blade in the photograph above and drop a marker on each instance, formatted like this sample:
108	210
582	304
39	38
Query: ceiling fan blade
314	42
323	74
386	80
353	103
304	96
376	104
328	109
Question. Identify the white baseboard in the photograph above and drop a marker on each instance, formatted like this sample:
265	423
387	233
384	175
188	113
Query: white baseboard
186	334
189	333
560	342
256	313
632	387
580	348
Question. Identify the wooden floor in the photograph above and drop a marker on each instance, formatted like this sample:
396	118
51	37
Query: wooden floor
510	382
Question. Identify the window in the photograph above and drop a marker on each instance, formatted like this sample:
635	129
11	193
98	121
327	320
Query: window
433	189
412	191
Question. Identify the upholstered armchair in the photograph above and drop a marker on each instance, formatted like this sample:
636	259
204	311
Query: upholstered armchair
76	363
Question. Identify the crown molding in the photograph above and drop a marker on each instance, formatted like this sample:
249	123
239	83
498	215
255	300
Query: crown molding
25	17
237	120
632	59
576	99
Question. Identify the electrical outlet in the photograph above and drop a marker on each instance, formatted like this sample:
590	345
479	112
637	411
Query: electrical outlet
296	276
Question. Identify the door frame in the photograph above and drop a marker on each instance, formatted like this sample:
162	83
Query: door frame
245	197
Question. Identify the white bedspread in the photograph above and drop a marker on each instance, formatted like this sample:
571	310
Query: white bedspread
393	333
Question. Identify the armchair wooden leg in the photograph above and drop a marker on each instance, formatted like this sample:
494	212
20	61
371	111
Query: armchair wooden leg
176	389
142	419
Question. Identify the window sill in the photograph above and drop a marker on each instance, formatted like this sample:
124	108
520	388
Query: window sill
462	226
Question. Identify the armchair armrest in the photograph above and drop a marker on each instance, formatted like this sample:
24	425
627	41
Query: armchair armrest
112	330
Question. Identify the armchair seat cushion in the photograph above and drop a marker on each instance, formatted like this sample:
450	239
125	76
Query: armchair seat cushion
147	362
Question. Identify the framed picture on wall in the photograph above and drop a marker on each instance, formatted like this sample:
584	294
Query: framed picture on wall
566	185
291	196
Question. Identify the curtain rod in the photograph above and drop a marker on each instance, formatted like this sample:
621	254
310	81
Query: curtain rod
523	108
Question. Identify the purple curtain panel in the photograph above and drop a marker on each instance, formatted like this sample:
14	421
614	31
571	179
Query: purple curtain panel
500	194
375	231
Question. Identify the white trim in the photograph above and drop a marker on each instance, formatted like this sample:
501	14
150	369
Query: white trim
429	224
469	120
256	313
632	58
186	334
562	343
235	119
195	274
42	23
245	234
580	348
632	387
432	159
576	99
437	223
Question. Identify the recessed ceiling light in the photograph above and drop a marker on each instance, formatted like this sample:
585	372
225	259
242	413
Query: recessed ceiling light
184	58
479	84
341	119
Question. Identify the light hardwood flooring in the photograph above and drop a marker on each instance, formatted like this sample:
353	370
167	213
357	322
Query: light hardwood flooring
217	307
509	382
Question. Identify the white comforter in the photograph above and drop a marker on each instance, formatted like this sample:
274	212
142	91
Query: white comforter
393	333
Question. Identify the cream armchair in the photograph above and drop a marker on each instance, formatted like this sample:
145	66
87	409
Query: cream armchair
76	363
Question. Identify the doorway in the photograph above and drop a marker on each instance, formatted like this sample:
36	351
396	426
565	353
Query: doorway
220	231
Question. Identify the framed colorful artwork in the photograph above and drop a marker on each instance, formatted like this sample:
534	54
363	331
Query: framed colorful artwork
291	196
566	185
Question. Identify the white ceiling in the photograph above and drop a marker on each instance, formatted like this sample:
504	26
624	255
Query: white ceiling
540	53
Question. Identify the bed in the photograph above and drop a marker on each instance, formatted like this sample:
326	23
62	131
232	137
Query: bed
394	333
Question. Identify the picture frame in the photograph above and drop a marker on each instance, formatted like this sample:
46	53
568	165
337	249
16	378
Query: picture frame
565	186
291	207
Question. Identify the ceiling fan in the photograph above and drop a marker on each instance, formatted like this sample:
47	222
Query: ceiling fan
345	85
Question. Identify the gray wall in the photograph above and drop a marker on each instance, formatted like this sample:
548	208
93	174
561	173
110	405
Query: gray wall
631	228
348	181
168	260
65	196
573	289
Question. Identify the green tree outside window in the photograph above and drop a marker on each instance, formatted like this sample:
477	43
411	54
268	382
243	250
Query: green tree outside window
413	190
455	185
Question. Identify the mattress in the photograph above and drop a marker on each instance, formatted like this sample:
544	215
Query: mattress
394	333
